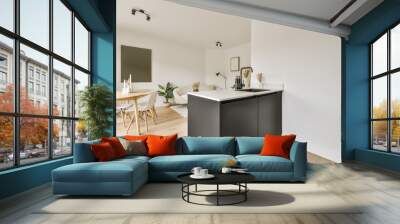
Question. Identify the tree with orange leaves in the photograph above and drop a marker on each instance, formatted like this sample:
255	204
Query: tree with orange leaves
33	131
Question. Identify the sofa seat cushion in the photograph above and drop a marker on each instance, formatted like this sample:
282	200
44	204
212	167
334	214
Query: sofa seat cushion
257	163
185	163
113	171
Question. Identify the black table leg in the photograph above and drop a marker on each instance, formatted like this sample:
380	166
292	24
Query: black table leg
245	193
217	194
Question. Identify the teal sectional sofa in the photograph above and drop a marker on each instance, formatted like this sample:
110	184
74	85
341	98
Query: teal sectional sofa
125	176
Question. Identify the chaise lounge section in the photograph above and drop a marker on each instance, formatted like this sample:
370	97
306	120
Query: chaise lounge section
125	176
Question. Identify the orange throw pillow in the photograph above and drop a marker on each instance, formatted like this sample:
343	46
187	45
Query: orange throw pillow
136	137
277	145
116	145
161	145
103	152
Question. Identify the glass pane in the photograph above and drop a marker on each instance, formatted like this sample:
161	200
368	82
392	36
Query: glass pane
81	81
33	140
62	28
6	142
62	138
379	97
379	55
35	21
81	45
395	136
34	97
379	135
395	95
395	47
7	14
6	74
81	132
62	89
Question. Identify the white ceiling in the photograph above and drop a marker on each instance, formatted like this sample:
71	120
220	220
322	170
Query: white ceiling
318	9
184	24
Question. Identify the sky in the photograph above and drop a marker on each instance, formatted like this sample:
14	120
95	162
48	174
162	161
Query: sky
35	27
380	66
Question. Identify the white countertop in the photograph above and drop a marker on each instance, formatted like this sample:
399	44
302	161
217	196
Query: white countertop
224	95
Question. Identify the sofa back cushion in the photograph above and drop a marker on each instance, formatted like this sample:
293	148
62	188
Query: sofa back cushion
104	152
161	145
116	146
249	145
206	145
83	152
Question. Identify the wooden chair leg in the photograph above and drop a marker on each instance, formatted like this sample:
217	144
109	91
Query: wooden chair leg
153	116
145	121
154	111
123	118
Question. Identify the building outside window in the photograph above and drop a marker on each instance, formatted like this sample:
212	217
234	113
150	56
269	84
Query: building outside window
57	130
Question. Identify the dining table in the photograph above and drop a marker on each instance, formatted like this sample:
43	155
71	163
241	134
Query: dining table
132	98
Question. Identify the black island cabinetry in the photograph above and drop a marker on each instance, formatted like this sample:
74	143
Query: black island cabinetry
253	115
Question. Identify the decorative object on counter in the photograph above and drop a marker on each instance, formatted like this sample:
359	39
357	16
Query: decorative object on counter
219	74
238	83
259	80
235	64
127	85
245	74
166	91
195	86
96	102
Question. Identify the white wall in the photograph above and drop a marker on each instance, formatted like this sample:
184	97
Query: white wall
309	66
171	61
218	60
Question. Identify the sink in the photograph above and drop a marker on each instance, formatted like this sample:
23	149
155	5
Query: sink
253	90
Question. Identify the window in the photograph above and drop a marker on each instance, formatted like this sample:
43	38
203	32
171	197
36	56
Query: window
6	73
385	92
47	76
35	21
81	45
7	14
3	78
30	88
61	75
62	31
30	72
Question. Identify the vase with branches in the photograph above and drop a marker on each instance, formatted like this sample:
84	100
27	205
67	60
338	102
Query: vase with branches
167	91
96	104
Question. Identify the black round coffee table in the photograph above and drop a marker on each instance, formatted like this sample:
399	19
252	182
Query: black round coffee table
238	179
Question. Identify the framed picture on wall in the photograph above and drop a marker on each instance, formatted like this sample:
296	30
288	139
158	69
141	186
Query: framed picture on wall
235	64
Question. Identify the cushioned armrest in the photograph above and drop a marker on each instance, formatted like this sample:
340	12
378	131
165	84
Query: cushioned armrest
83	152
298	155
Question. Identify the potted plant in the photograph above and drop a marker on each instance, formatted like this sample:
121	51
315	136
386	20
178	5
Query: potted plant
96	103
167	91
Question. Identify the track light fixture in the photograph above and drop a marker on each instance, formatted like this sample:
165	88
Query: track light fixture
218	44
134	11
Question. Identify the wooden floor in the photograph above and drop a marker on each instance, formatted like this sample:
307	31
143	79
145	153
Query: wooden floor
379	190
168	122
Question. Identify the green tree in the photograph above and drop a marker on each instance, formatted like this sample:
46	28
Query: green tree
96	102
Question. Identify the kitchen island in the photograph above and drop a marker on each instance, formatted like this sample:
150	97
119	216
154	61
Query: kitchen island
251	112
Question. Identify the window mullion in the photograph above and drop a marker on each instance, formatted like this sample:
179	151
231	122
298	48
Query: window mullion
73	81
389	112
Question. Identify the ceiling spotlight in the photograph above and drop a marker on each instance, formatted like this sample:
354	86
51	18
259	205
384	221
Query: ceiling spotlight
134	11
218	44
